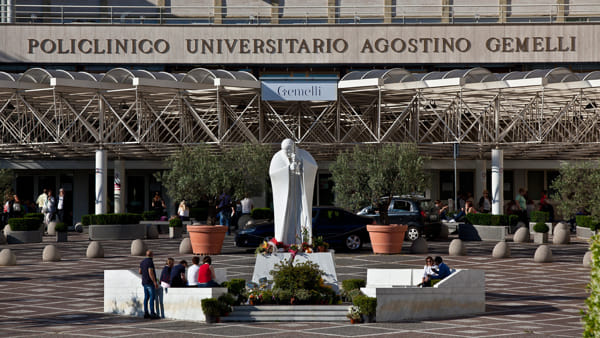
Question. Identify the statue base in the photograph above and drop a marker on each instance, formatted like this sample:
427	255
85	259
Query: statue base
325	260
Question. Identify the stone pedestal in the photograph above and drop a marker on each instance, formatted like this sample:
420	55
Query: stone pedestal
540	237
325	260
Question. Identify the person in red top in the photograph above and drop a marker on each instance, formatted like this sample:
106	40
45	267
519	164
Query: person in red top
206	274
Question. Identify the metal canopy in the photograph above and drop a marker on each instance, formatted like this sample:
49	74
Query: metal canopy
137	114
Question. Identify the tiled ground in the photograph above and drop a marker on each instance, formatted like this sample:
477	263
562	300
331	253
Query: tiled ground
66	298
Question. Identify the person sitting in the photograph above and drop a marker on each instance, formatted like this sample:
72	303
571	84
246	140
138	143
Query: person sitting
428	272
178	279
206	274
165	275
442	209
443	270
192	273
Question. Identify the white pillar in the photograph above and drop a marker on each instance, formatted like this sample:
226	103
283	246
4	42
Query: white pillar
10	11
480	180
497	182
119	186
101	172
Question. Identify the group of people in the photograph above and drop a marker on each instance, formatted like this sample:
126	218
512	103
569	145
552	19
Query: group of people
180	275
434	271
521	206
52	207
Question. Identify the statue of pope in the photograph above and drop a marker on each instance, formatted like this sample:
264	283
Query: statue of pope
292	172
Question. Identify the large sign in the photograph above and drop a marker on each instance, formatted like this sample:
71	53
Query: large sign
302	44
299	90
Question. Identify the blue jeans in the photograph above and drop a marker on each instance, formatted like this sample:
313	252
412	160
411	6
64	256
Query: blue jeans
149	296
210	284
224	218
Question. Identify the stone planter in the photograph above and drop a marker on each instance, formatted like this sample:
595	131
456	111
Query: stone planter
207	239
549	224
61	236
583	232
475	232
387	239
116	231
19	237
175	232
161	226
540	237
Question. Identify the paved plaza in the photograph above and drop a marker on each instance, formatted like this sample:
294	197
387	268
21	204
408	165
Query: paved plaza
65	298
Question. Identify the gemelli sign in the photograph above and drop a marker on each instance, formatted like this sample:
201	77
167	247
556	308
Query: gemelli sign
299	90
302	44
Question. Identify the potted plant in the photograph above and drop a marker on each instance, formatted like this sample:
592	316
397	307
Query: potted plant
540	232
199	173
212	310
372	175
61	232
354	314
367	307
23	230
320	245
114	226
175	227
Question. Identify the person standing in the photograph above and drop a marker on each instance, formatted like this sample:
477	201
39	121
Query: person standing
183	212
149	283
41	201
485	205
50	207
17	207
247	205
192	273
60	205
158	204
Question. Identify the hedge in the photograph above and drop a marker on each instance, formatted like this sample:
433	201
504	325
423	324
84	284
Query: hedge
591	315
262	213
489	219
352	284
175	222
540	216
587	222
37	215
151	215
102	219
24	224
61	227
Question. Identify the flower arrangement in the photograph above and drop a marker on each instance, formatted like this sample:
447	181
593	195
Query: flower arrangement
353	313
273	246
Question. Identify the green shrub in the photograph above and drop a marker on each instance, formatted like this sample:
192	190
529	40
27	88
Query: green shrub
227	298
86	220
513	220
479	219
61	227
587	222
262	213
366	305
353	284
236	287
489	219
211	307
541	227
305	275
24	224
282	296
175	222
151	215
102	219
540	216
36	215
591	316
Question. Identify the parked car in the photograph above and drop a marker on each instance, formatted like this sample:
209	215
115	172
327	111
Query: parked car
340	228
420	214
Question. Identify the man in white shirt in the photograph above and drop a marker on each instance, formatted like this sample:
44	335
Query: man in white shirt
41	200
60	205
247	205
192	272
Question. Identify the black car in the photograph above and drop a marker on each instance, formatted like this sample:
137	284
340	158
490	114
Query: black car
418	213
339	228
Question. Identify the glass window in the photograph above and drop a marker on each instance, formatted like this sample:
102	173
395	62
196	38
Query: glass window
535	184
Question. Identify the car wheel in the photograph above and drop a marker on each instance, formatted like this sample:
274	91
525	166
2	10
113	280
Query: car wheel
412	233
353	242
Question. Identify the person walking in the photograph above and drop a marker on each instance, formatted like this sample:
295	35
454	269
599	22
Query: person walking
50	207
149	283
41	201
60	205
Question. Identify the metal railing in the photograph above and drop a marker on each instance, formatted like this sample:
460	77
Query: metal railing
267	14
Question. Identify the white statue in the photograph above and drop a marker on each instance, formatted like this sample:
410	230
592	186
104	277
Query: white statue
292	172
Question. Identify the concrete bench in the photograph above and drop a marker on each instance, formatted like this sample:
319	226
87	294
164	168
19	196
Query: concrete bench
124	294
399	299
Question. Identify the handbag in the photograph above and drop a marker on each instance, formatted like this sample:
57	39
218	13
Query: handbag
165	284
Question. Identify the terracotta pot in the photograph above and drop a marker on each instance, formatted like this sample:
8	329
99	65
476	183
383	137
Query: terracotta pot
354	321
206	239
387	239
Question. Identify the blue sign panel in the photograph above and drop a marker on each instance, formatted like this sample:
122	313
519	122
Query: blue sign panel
299	90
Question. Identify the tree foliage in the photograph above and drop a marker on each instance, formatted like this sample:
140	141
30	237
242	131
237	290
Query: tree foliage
364	175
578	189
197	173
6	180
591	316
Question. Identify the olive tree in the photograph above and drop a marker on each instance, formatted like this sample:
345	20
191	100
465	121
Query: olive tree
6	181
372	175
196	173
578	189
